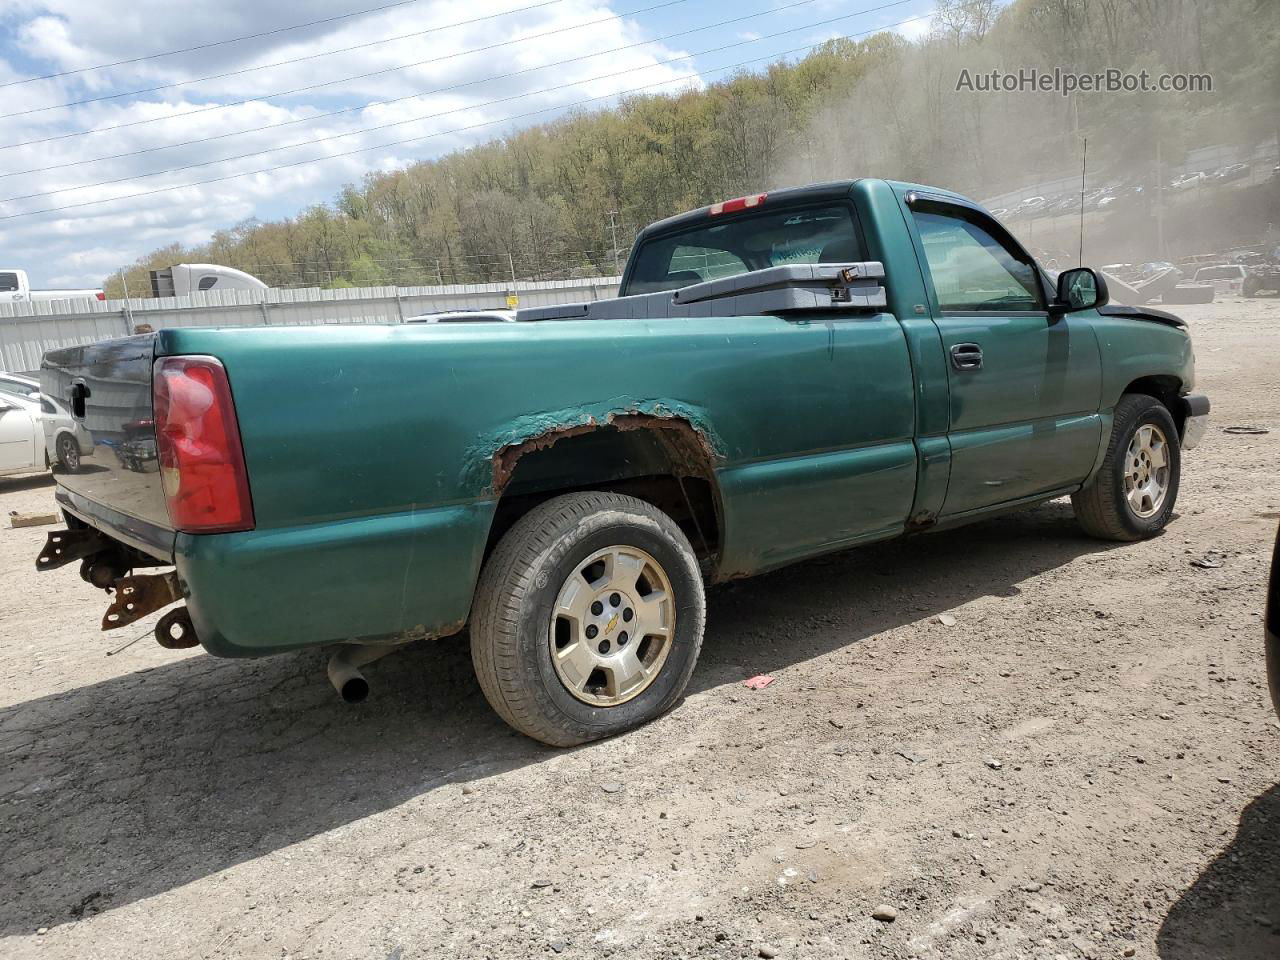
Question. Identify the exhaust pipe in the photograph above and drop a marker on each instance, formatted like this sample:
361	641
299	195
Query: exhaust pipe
345	664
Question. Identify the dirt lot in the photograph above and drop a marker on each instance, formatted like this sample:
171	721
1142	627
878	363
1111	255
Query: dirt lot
1083	764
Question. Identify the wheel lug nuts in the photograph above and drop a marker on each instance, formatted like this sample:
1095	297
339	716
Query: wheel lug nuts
597	608
623	638
604	646
627	614
592	630
614	599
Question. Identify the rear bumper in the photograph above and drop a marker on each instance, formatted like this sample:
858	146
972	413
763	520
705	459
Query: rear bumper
1196	409
147	537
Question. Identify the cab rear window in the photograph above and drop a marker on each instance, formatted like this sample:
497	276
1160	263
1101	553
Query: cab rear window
755	241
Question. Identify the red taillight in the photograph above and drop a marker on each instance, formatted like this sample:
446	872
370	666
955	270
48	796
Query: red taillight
742	203
198	445
100	295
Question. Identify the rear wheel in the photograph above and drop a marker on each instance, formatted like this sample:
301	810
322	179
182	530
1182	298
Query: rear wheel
68	452
588	618
1133	495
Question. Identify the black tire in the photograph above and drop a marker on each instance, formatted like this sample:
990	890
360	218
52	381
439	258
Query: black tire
511	632
68	452
1102	507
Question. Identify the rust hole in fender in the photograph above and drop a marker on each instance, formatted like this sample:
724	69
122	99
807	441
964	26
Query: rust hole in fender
689	450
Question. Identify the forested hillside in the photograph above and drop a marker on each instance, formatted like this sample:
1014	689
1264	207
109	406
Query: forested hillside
539	201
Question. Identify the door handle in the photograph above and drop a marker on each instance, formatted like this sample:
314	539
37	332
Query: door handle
966	356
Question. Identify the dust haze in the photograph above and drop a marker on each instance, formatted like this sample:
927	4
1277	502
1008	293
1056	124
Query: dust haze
1169	175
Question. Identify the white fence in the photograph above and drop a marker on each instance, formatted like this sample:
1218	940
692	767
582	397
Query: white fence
27	330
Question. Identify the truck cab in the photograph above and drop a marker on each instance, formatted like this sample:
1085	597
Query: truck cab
15	287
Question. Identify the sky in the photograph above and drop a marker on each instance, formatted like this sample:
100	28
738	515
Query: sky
441	74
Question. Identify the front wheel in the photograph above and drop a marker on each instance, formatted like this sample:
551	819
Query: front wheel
588	618
1133	495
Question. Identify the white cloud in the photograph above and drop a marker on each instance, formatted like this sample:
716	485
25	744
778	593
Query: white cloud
916	29
80	245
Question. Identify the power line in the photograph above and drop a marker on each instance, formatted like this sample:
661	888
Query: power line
441	133
488	103
328	83
215	43
424	93
311	56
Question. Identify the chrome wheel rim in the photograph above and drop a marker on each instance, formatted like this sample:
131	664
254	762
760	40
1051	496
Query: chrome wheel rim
70	454
1147	471
612	626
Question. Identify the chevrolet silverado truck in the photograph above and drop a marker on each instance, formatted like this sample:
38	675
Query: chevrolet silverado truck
782	376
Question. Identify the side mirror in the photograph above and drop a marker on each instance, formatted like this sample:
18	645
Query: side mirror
1080	289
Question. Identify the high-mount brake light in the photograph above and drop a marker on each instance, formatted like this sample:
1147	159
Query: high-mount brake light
741	203
202	469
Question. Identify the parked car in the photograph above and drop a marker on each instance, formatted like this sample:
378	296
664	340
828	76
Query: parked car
1227	278
21	434
466	316
1032	204
1232	171
16	288
1188	180
566	484
17	383
66	440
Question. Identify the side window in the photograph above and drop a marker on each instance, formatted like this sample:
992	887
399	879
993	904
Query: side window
971	269
8	282
206	283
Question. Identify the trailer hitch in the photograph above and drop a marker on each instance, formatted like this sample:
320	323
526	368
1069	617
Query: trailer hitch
138	596
67	546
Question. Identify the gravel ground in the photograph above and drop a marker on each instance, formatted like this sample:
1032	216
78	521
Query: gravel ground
1083	763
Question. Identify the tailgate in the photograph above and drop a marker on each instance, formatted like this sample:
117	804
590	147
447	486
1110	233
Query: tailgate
104	390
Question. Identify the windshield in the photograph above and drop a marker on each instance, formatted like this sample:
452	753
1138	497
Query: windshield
725	249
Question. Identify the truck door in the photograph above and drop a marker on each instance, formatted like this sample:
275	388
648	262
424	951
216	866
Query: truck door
17	434
1023	386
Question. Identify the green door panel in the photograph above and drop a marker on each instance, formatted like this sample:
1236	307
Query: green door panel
1032	368
1039	378
783	510
994	464
1013	417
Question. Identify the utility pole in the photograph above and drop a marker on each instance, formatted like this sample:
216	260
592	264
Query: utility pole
511	262
1084	166
613	232
1159	201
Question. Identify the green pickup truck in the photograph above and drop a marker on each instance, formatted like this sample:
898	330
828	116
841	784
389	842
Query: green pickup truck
783	375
